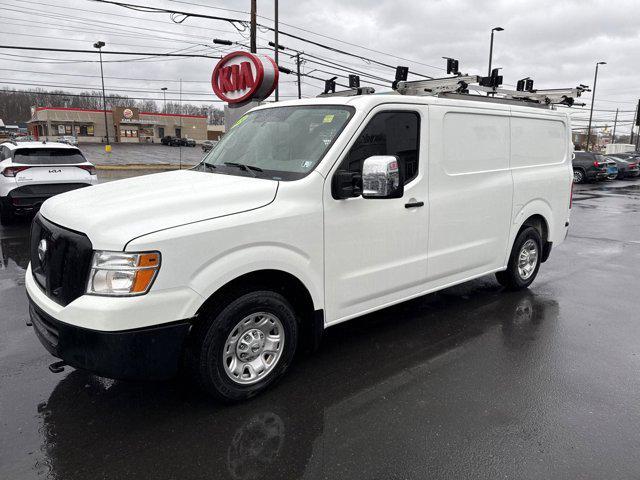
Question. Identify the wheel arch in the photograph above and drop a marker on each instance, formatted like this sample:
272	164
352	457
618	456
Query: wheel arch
536	214
309	314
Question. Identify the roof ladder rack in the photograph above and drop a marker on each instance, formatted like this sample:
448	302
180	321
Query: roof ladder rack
352	92
460	85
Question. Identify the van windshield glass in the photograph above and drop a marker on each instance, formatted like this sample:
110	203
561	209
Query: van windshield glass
48	156
280	143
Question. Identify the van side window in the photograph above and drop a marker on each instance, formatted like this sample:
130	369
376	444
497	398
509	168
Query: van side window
388	133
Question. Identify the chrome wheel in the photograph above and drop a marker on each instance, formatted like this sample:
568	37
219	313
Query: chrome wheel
527	259
578	176
253	348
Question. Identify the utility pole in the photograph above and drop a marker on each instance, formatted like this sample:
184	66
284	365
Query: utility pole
615	124
635	122
593	97
298	74
275	33
107	147
164	94
253	46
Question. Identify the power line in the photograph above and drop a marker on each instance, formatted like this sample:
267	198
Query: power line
31	35
106	52
235	22
61	94
88	87
40	72
316	33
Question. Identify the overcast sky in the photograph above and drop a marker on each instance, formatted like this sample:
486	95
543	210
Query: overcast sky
555	42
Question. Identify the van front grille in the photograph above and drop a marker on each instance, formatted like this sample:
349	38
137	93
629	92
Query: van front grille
60	260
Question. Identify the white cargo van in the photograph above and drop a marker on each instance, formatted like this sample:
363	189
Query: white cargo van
308	213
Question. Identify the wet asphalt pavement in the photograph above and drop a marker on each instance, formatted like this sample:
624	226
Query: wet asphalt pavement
471	382
141	154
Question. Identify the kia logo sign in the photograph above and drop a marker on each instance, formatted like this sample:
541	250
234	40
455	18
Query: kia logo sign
241	76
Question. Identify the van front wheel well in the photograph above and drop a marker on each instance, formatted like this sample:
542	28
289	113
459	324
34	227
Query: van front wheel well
277	281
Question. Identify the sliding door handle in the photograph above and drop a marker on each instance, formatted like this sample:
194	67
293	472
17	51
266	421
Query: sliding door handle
413	204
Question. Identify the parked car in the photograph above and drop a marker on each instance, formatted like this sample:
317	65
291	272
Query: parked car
69	140
627	167
208	145
31	172
588	166
178	141
301	219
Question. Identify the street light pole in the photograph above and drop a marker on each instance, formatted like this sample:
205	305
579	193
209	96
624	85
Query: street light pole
164	94
99	46
593	96
493	30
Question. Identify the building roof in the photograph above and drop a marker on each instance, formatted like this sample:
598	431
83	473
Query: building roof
68	109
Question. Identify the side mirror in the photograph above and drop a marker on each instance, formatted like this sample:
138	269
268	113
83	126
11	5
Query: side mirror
346	184
382	177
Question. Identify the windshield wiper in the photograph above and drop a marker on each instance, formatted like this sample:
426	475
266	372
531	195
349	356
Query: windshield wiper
246	168
208	165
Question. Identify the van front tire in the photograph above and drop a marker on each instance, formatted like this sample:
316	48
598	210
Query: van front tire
524	261
261	328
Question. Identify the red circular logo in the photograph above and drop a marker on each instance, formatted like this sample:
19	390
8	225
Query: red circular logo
240	76
127	113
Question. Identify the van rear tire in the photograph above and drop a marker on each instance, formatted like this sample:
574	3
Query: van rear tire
259	326
524	261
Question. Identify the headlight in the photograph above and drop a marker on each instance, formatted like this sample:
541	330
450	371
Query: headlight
122	274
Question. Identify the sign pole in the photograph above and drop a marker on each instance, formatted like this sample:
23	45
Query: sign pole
253	46
275	32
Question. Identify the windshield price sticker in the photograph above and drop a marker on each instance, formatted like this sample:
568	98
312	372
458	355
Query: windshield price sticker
328	119
240	120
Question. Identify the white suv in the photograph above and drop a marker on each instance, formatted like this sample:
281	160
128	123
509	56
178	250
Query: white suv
306	214
31	172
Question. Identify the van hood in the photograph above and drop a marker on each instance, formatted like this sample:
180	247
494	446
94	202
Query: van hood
113	213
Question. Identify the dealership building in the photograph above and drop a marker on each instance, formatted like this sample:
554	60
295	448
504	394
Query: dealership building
125	125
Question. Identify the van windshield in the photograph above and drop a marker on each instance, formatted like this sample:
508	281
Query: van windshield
48	156
280	143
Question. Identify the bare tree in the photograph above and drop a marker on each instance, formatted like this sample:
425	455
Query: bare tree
15	105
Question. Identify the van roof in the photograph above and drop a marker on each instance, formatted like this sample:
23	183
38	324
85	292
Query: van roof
367	102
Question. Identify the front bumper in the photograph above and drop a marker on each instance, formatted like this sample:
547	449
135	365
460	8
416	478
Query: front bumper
150	353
